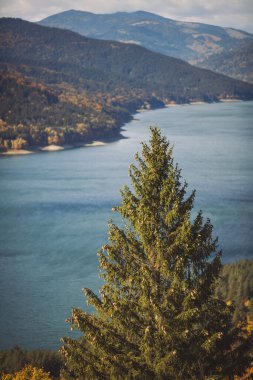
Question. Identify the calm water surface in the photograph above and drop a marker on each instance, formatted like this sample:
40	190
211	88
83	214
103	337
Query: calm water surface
54	209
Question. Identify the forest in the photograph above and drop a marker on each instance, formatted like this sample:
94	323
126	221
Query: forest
37	115
235	286
58	87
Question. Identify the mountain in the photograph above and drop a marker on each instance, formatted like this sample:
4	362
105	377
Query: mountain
192	42
236	63
60	87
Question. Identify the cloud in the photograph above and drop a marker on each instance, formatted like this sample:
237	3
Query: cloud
232	13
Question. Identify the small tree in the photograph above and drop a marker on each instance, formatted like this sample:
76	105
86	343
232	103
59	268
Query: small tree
157	317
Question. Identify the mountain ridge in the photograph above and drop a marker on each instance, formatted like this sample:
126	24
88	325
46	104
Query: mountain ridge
192	42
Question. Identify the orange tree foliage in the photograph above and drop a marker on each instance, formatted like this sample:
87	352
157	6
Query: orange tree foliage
28	373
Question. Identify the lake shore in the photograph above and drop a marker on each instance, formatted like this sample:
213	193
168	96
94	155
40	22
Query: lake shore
13	152
97	143
51	148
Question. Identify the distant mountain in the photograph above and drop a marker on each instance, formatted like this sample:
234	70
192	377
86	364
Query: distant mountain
59	87
237	63
192	42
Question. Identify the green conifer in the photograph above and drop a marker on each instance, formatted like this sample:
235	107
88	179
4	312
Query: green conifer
157	317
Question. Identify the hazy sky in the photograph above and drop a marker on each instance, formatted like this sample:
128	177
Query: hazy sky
231	13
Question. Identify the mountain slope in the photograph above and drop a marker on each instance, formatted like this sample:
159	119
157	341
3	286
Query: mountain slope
109	66
237	63
193	42
87	88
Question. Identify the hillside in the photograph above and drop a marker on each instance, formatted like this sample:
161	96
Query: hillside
192	42
236	63
236	286
34	114
60	87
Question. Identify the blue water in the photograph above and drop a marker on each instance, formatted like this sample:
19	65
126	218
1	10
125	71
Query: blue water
54	209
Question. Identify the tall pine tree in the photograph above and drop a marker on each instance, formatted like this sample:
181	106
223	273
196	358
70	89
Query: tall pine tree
156	317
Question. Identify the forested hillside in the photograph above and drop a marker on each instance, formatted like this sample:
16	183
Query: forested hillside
208	46
236	286
236	62
60	87
35	114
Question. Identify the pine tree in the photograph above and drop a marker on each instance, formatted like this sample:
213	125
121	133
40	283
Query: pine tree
156	317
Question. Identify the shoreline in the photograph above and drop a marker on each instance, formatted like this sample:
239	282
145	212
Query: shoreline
231	100
96	143
51	148
15	152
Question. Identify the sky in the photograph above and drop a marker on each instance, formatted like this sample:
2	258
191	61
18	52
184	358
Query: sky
228	13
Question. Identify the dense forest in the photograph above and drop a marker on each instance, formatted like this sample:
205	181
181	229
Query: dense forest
35	114
236	286
62	88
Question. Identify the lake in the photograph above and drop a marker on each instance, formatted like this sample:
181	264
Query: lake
54	209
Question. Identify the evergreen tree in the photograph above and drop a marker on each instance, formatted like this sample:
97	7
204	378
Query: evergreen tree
157	317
